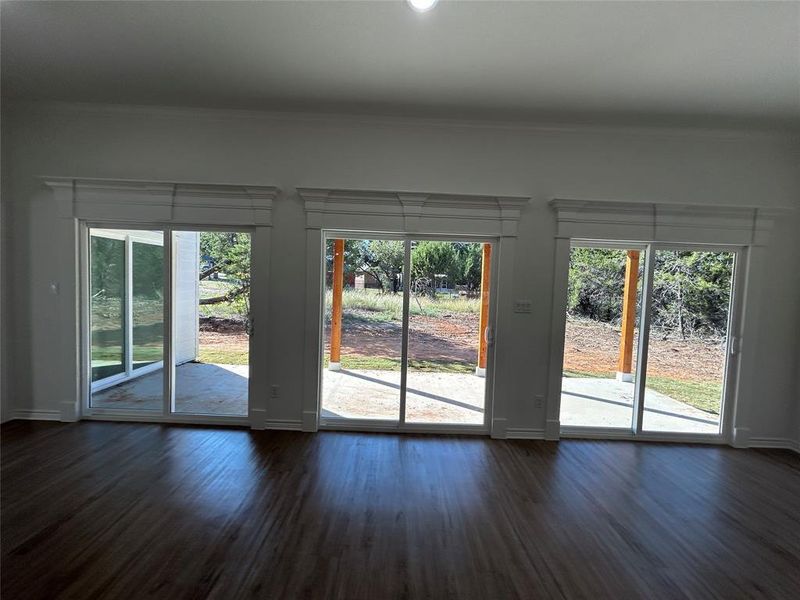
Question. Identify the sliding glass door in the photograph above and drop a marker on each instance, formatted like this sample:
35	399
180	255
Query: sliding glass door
647	339
363	329
687	352
602	333
126	287
154	294
406	330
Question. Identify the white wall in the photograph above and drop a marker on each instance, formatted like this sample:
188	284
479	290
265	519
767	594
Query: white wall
187	294
341	152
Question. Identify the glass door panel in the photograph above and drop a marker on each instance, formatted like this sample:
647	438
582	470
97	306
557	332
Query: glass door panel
211	320
602	336
448	318
688	343
363	329
147	299
126	270
107	310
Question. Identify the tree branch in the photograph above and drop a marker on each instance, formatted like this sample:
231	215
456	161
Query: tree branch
232	295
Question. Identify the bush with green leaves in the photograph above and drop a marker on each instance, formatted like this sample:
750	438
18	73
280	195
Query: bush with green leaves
691	290
227	254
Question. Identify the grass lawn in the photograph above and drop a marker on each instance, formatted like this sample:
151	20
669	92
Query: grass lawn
389	307
223	356
380	363
223	310
705	395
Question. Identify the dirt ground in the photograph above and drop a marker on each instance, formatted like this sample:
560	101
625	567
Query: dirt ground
593	348
589	347
452	338
223	334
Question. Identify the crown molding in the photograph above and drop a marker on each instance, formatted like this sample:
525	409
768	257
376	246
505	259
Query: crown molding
162	202
98	109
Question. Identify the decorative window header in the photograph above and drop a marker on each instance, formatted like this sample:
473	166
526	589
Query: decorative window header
648	222
162	202
411	212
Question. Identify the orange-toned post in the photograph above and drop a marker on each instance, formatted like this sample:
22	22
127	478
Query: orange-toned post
336	306
625	363
486	267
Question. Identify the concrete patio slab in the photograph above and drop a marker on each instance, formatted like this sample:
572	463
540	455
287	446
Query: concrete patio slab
200	388
456	398
594	402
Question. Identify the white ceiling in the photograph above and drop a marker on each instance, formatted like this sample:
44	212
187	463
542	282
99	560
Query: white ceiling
709	64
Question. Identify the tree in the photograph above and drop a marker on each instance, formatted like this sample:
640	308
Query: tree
691	289
384	259
228	253
469	256
429	259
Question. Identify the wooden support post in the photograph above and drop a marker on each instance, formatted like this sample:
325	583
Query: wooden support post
625	363
336	307
486	268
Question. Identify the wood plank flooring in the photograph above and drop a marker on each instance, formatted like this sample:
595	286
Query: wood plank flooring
115	510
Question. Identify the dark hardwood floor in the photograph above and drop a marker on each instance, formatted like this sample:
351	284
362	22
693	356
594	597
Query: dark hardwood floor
111	510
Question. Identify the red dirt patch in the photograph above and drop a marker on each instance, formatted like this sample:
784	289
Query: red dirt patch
594	347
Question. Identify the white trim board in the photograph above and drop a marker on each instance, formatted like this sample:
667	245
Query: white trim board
412	212
35	415
772	442
163	202
660	222
521	433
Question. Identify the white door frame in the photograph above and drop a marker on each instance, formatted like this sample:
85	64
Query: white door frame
166	206
743	230
416	215
400	425
167	412
636	431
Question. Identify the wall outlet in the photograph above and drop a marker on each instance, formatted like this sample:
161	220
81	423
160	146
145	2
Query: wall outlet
522	306
538	401
274	391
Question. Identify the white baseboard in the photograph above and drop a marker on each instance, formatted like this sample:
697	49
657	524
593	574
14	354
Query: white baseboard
552	430
772	442
741	437
519	433
36	415
258	418
310	421
284	424
499	428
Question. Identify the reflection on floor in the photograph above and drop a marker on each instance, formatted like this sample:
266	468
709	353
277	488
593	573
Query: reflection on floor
595	402
200	388
430	397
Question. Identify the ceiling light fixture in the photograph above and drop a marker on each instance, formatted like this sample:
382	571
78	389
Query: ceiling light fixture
422	5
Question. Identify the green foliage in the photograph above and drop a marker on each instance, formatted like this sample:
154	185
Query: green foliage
596	283
691	290
148	270
228	255
384	259
470	258
108	267
432	259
